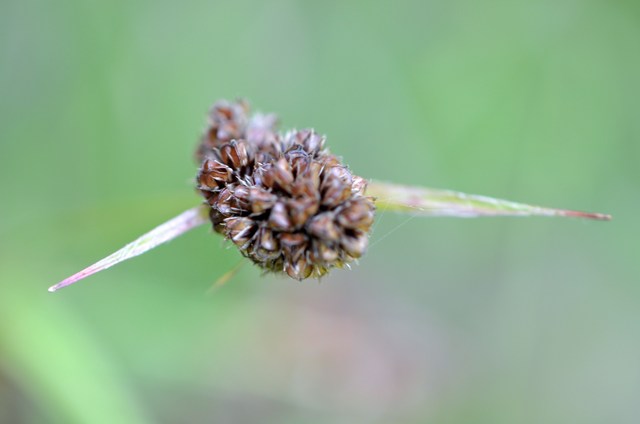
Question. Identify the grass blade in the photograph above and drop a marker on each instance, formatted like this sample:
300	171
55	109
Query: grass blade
433	202
169	230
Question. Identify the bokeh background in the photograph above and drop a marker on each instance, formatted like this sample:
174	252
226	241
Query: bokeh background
444	321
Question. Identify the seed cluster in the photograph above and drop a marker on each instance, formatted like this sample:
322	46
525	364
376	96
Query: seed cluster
286	202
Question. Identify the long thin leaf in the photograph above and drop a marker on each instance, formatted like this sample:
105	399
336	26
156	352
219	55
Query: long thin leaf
171	229
434	202
390	197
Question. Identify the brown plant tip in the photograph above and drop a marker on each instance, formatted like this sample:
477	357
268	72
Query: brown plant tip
284	200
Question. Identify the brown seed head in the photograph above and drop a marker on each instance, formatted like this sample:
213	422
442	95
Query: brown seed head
286	202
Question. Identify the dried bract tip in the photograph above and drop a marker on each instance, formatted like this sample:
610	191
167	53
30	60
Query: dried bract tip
284	200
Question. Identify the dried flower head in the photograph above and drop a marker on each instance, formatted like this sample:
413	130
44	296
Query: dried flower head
286	202
289	205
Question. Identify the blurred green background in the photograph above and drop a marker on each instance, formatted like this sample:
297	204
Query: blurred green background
444	321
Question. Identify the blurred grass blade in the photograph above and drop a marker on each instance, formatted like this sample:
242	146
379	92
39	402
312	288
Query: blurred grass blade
171	229
226	277
434	202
